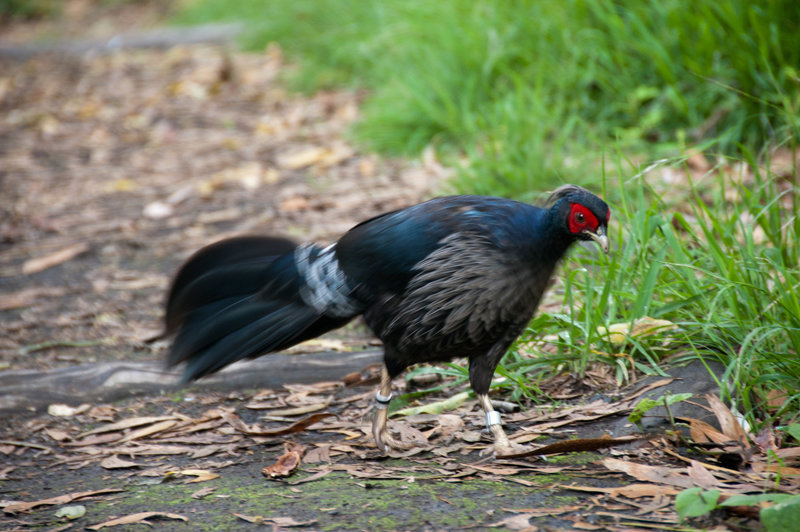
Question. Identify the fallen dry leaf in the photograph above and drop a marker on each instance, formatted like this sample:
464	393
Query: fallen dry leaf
102	412
322	157
321	453
727	421
538	512
18	507
778	469
27	296
788	453
287	463
658	474
126	424
775	398
59	410
618	333
765	440
631	491
515	522
140	517
99	439
114	462
583	525
316	476
39	264
295	160
299	426
200	475
299	410
502	471
149	431
647	388
702	432
279	521
447	426
322	387
294	203
7	446
248	175
697	161
702	476
203	492
56	434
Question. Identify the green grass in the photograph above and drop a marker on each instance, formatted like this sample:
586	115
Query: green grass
28	8
523	95
532	91
719	257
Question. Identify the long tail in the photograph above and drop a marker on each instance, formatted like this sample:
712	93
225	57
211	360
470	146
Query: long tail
244	297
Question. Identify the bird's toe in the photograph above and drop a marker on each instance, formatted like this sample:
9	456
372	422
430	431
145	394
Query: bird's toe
387	443
508	448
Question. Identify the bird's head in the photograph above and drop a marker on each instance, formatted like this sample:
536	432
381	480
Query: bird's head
583	215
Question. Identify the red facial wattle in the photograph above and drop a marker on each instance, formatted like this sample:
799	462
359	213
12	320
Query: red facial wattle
582	219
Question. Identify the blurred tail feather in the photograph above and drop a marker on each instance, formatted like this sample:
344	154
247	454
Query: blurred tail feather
239	298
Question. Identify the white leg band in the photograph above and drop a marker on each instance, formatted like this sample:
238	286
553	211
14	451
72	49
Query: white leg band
493	418
383	401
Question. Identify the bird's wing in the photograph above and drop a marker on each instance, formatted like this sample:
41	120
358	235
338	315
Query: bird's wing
383	252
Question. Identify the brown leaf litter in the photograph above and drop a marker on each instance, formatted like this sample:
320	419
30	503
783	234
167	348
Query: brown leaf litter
127	444
110	185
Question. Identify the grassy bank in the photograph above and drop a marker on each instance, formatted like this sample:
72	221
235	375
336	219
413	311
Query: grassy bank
532	92
716	256
523	95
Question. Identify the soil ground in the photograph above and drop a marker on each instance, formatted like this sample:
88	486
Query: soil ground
114	167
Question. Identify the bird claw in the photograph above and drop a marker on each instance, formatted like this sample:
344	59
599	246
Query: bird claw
508	449
383	439
386	442
502	445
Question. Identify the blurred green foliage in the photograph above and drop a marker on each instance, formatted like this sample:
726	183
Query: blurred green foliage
28	8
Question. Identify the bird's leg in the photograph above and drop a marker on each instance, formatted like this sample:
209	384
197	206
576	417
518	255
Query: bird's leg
502	445
383	439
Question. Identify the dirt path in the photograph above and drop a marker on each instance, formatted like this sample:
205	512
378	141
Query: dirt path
118	166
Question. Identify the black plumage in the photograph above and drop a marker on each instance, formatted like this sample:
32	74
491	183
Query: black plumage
458	276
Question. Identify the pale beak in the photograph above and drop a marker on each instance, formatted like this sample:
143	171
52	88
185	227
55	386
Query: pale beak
600	237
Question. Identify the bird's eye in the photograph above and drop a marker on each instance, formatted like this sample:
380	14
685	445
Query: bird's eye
579	217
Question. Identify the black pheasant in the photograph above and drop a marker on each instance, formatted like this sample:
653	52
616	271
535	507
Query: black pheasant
457	276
